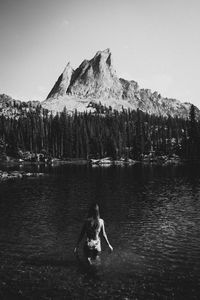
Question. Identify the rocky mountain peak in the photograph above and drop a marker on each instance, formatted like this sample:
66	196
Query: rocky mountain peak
62	84
103	58
67	70
95	80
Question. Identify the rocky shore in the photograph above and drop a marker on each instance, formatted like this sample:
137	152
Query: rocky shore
9	175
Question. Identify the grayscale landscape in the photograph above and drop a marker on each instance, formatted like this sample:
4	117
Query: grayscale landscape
99	104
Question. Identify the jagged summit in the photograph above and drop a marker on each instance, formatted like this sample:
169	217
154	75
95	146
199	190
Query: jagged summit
95	81
61	85
103	57
95	78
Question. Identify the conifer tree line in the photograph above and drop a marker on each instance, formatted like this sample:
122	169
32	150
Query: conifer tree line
104	133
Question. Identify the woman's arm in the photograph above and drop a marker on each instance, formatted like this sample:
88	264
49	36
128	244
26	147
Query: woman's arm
105	236
82	233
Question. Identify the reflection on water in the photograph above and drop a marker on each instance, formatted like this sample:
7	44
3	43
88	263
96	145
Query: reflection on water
152	216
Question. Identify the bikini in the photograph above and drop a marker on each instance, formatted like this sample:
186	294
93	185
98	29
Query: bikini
92	246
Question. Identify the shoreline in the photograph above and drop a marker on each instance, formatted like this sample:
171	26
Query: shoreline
99	162
6	174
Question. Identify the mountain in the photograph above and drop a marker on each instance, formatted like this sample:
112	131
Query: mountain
95	81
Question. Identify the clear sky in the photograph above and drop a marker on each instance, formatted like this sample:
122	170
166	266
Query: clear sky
154	42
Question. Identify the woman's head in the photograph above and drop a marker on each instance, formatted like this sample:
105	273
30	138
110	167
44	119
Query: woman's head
94	211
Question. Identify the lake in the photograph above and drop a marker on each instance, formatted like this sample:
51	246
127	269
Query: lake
152	218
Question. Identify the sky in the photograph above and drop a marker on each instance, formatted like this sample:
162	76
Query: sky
154	42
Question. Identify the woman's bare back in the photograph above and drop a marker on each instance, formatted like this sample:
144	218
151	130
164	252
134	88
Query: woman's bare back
93	228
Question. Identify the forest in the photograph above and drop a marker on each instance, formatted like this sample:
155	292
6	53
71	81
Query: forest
95	135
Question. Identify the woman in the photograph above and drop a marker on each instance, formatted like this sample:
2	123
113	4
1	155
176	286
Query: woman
92	228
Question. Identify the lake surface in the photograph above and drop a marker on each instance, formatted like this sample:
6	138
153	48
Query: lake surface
152	218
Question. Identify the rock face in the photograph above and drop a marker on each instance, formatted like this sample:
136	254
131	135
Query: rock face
61	85
96	78
96	81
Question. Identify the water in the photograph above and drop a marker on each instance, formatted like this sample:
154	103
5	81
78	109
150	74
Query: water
152	217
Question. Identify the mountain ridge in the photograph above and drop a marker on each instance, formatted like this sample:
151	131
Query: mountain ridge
12	108
95	81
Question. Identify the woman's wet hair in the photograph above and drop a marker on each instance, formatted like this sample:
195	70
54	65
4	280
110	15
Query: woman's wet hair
94	211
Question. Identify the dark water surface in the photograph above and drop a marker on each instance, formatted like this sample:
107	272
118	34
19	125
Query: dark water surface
152	217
